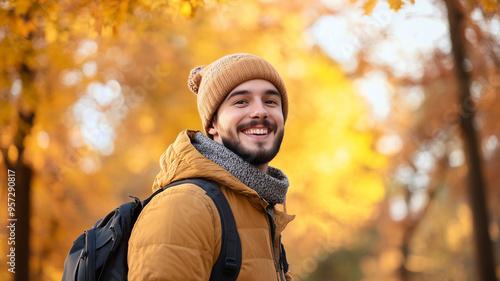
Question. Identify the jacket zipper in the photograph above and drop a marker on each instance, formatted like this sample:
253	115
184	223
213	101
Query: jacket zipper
273	242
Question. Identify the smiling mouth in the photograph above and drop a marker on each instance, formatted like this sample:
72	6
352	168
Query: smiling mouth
257	128
256	131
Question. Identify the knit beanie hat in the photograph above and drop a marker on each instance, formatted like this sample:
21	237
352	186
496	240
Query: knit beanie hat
214	82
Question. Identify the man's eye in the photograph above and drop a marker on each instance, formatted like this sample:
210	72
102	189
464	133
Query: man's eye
239	102
271	102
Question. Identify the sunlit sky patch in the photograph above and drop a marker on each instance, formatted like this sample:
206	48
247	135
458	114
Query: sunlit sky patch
98	112
415	29
16	87
398	208
375	89
397	40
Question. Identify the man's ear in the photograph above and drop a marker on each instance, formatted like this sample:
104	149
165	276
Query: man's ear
212	129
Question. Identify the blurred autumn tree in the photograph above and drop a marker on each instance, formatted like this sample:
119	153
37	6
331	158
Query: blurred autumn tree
441	132
93	92
42	43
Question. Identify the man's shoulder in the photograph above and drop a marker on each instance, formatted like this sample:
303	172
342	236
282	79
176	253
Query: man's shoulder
182	191
183	196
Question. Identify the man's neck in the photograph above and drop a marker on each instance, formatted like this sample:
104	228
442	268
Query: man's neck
263	167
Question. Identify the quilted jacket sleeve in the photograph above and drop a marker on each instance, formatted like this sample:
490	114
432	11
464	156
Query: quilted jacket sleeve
176	237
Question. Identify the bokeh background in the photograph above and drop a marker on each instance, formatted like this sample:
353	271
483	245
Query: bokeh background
391	146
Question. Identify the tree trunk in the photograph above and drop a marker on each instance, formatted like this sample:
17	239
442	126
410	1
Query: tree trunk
23	180
476	186
21	215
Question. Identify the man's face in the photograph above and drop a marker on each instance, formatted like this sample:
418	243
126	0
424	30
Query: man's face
250	122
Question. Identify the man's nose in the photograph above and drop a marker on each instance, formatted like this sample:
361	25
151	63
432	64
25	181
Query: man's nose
259	110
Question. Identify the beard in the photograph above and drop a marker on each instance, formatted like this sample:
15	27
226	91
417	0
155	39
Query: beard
260	155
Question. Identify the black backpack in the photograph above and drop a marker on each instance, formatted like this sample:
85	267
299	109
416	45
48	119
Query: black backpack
100	253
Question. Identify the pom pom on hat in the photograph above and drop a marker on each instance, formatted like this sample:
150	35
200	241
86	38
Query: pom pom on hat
214	82
195	79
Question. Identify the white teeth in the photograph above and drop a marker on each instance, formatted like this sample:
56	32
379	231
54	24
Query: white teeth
256	132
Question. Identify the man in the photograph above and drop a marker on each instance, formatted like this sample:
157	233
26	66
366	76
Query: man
243	104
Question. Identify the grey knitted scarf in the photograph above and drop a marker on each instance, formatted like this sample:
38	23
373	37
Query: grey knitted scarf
272	186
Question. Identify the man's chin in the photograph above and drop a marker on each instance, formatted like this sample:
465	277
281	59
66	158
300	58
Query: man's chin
256	156
259	159
259	155
254	151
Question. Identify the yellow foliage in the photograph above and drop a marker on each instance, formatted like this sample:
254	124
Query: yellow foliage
249	19
490	5
186	9
335	173
140	160
51	32
369	5
147	123
13	154
368	189
395	4
21	7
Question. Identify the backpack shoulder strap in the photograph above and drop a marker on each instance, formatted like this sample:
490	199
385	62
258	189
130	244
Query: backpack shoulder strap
227	266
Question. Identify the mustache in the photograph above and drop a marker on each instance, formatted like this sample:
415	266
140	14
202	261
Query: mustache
255	123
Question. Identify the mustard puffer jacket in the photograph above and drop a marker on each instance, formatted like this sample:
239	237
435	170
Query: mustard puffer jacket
177	235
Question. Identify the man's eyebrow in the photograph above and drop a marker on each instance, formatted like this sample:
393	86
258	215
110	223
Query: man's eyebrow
236	93
273	92
246	92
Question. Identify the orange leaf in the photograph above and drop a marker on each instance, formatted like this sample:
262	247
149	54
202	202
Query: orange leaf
369	5
186	9
490	5
395	4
